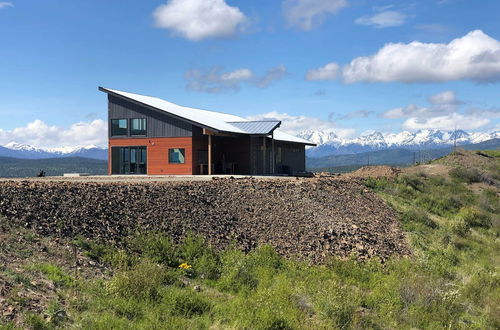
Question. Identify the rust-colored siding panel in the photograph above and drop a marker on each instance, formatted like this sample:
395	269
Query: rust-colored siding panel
157	150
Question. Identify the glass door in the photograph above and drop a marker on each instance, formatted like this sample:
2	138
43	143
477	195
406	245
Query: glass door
129	160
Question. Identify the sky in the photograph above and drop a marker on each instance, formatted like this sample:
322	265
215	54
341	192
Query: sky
347	66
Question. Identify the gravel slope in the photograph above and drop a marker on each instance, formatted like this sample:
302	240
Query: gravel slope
309	218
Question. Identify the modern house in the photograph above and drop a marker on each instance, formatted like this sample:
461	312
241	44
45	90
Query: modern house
148	135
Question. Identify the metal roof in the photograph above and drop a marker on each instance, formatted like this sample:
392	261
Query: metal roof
217	121
257	127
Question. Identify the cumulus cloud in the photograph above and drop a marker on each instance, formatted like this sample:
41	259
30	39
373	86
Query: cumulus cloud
383	19
214	80
328	72
296	124
199	19
4	4
447	122
475	56
42	135
440	104
306	14
443	112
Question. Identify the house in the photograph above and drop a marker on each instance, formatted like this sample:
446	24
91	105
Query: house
148	135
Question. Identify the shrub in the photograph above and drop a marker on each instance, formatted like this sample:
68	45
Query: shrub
440	204
376	183
157	247
242	273
192	248
417	216
186	303
473	217
142	282
467	175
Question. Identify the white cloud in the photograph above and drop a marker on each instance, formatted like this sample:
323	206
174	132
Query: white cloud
296	124
273	74
4	4
39	134
215	81
475	56
443	103
328	72
237	75
447	122
199	19
384	19
306	14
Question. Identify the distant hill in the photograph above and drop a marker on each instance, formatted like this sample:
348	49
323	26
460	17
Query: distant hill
19	168
395	157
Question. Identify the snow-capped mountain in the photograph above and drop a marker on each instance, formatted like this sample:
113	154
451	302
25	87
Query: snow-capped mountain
19	150
331	144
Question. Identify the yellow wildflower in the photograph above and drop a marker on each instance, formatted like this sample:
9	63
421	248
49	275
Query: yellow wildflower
185	266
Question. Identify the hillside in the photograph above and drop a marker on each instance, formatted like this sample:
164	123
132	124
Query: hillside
21	168
394	157
415	249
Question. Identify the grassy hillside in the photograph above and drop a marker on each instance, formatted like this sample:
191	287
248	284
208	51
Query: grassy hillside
394	157
20	168
451	280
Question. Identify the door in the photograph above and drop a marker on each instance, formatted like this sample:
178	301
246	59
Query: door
129	160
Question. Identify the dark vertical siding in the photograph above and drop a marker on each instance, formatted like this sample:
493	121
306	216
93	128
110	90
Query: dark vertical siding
158	124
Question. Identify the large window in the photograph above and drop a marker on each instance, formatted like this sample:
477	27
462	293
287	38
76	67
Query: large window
119	127
138	126
176	156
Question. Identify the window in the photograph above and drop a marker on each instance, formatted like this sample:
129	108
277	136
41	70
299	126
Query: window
138	126
176	156
119	127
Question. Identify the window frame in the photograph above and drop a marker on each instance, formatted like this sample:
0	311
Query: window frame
183	152
145	126
126	128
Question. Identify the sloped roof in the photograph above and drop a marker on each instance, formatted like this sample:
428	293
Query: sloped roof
217	121
257	127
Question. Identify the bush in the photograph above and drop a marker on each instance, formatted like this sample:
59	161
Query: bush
157	247
186	303
467	175
142	282
440	204
243	273
417	216
473	217
376	183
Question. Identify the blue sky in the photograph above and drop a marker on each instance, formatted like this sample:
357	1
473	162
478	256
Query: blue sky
350	66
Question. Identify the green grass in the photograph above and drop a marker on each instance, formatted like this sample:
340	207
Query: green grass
451	281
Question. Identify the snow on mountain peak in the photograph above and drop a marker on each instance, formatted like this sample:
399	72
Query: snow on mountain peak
427	137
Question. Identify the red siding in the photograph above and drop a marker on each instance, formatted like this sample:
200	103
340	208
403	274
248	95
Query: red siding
157	149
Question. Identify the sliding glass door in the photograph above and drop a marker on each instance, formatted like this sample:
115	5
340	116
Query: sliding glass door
129	160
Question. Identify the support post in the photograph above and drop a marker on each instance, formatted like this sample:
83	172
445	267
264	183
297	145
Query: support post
273	159
210	155
264	156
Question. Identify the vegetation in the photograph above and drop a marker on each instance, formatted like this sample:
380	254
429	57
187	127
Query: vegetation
20	168
451	281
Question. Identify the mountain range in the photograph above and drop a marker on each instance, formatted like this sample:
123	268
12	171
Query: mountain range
24	151
328	143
